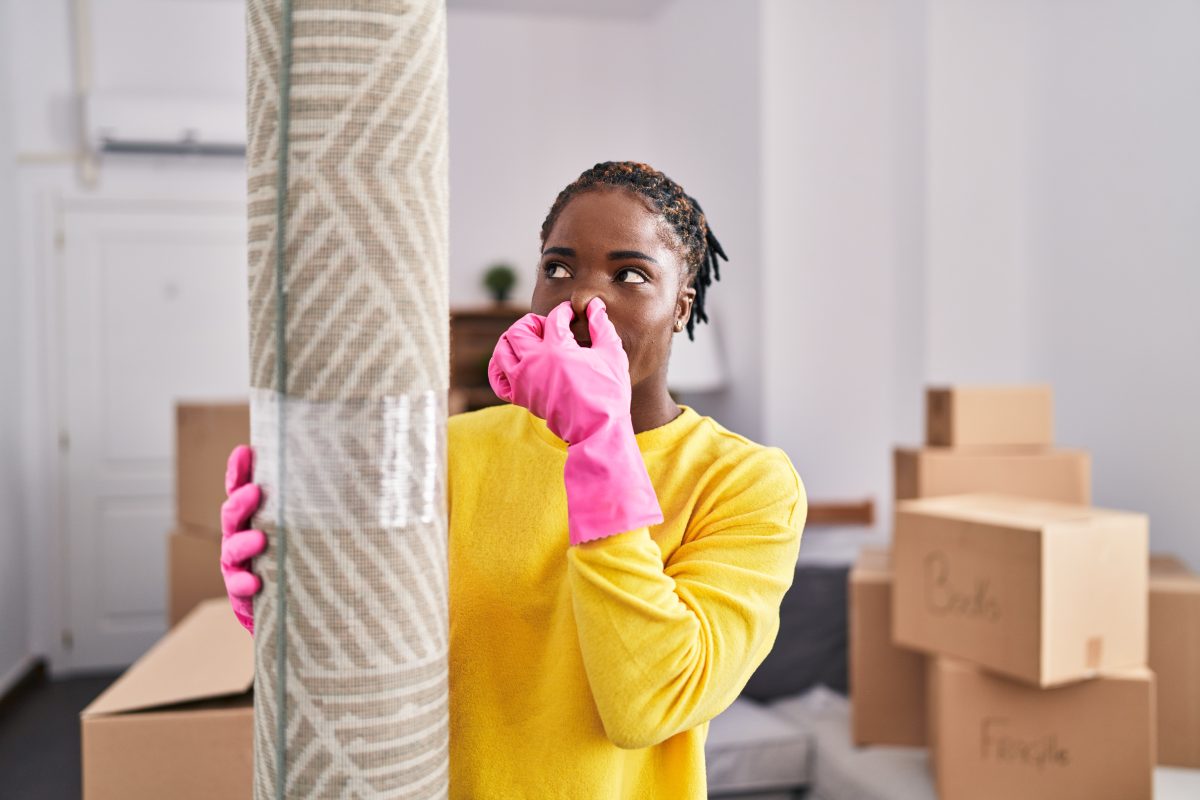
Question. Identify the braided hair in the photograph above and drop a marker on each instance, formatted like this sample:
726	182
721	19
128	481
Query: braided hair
675	206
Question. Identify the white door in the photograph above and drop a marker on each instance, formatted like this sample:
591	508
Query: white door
153	308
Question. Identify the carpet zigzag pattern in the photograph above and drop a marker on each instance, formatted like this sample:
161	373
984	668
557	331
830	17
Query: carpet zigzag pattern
364	410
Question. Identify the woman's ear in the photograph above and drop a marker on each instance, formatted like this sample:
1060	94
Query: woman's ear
683	306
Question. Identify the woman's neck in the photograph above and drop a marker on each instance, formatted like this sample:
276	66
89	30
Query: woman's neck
652	407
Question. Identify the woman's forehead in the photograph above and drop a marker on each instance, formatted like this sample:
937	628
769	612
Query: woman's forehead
610	217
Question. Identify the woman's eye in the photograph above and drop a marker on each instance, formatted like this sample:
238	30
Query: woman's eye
548	270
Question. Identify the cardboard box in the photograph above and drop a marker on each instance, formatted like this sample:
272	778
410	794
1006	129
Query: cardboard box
994	739
205	434
1165	565
887	683
179	722
1063	476
1174	655
193	571
1044	593
992	416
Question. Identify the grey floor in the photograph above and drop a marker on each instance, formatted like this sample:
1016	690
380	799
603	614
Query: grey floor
39	738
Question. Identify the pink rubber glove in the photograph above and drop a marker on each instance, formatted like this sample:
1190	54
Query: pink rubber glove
238	543
583	394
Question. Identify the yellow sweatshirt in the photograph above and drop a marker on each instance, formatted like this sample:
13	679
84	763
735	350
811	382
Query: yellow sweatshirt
592	671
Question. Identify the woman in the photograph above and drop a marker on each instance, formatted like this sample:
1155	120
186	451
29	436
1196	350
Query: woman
616	560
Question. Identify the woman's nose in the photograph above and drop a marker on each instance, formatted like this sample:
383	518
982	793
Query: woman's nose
579	304
579	323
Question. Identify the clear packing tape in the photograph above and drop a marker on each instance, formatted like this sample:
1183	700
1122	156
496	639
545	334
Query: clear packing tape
380	456
349	350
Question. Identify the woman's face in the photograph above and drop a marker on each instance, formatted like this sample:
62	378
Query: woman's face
608	242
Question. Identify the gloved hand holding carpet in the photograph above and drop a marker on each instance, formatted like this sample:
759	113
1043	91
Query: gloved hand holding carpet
238	542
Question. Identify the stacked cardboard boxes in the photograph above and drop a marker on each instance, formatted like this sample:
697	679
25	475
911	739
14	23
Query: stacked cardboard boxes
205	433
178	723
992	439
887	682
1174	656
1034	617
978	439
1027	608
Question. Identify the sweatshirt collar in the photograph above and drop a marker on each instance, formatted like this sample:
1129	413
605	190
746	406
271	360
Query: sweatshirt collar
653	439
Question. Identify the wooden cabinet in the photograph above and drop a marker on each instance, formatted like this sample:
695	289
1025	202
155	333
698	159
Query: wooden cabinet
474	332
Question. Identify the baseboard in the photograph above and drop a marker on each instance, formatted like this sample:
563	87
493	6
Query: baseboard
26	673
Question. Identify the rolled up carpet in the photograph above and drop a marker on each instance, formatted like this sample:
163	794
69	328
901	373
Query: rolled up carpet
349	351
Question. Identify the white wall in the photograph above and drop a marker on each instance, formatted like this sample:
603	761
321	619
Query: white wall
535	100
1063	230
705	90
1114	199
14	586
978	77
973	191
43	116
842	244
42	110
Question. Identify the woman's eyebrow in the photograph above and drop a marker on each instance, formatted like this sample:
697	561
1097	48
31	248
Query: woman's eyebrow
615	255
620	255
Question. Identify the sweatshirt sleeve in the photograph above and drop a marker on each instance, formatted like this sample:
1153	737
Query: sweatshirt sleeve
667	647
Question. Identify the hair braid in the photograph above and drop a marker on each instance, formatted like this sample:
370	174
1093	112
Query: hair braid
675	206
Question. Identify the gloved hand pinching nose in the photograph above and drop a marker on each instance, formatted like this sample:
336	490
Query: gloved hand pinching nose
538	364
583	394
239	543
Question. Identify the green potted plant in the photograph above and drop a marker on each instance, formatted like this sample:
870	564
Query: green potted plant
499	280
